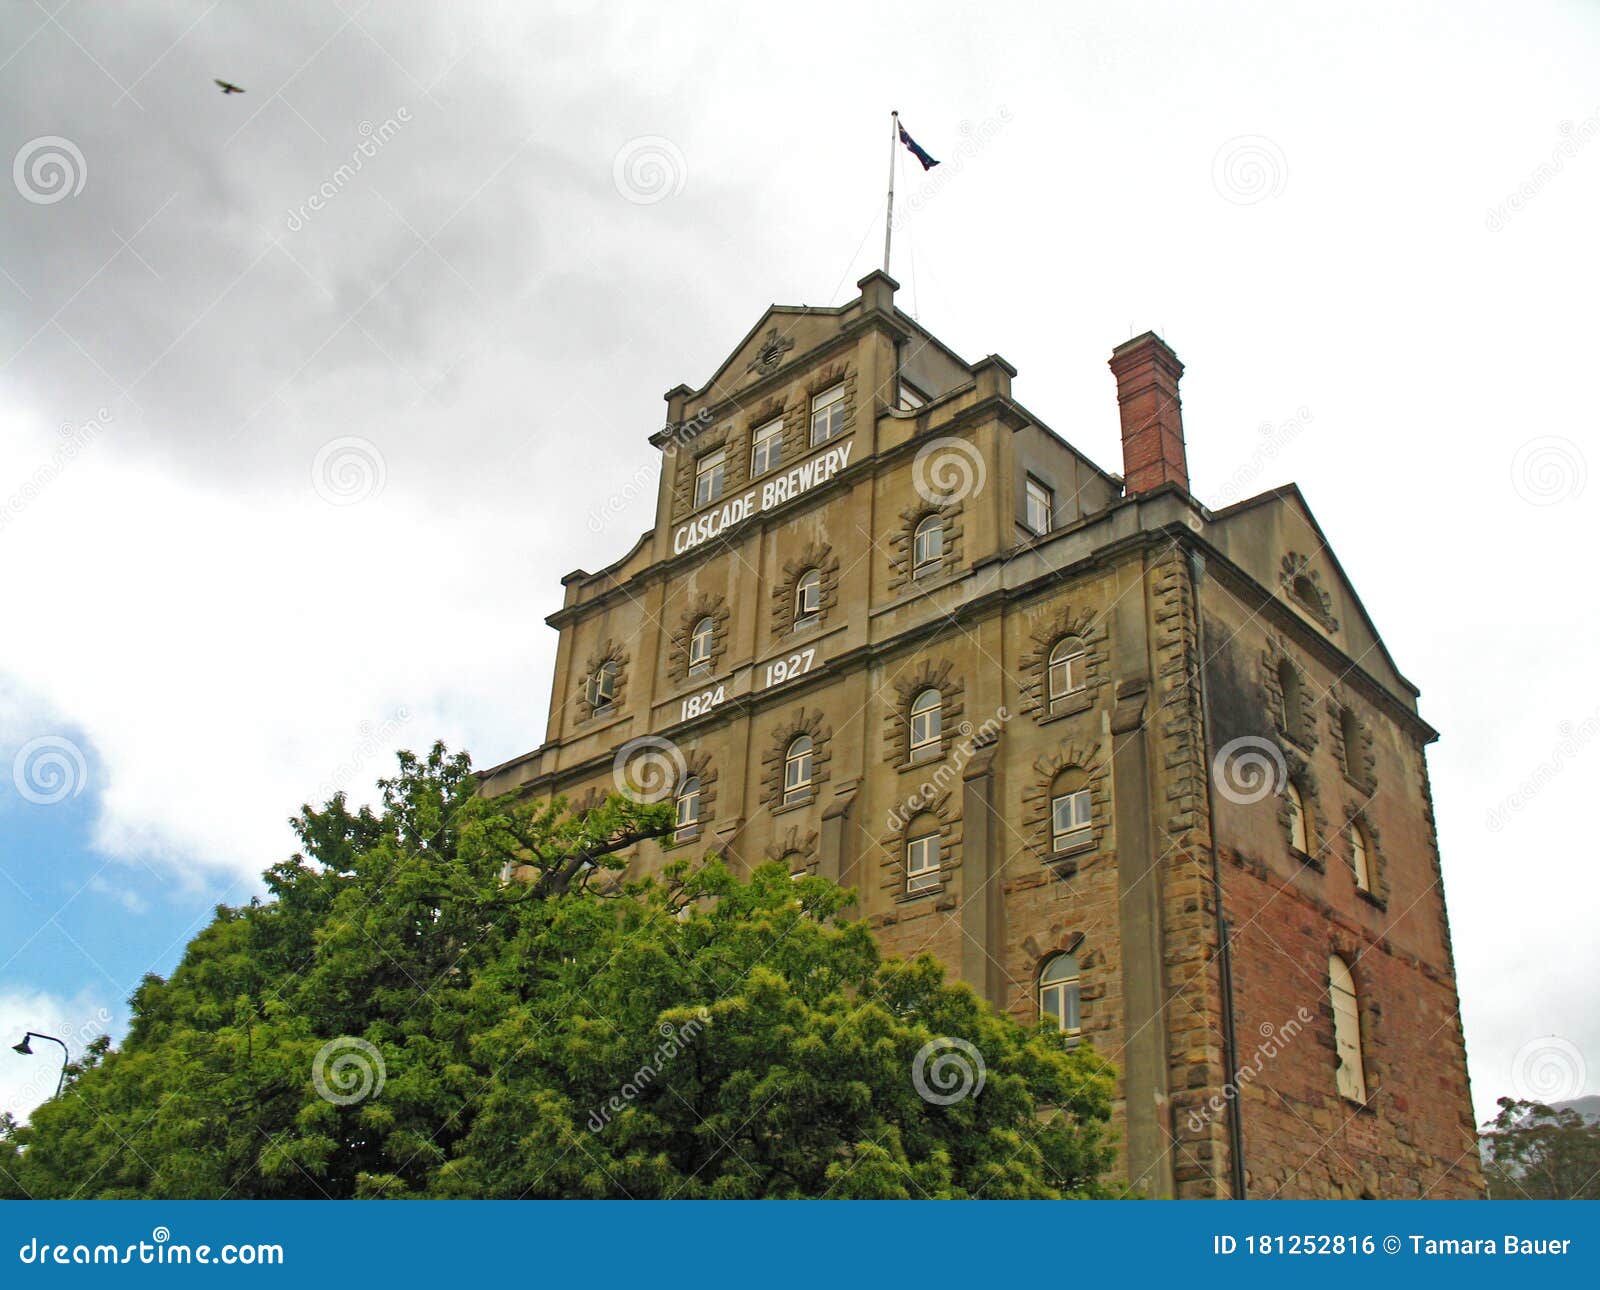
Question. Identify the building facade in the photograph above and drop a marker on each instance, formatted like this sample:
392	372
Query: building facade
1136	767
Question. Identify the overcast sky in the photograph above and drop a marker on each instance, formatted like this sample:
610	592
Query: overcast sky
292	458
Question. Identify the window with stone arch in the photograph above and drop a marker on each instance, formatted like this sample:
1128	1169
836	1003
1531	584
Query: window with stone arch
1360	856
1067	672
601	691
1292	688
700	643
1060	993
926	727
797	769
808	597
1350	1076
687	802
1299	820
922	854
1071	812
927	545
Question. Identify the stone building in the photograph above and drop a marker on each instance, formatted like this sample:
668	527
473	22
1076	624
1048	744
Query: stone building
1122	762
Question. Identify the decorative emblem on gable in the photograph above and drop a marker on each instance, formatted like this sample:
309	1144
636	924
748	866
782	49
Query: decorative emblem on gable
773	348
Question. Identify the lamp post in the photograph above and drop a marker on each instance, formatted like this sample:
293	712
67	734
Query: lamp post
27	1051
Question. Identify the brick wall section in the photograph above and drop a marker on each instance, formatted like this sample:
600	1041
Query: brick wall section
1302	1139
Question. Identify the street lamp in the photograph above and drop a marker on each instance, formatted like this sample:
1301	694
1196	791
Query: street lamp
27	1051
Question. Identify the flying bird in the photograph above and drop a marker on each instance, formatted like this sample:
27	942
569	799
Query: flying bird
229	88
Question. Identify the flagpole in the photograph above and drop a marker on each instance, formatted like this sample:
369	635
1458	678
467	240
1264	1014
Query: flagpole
888	218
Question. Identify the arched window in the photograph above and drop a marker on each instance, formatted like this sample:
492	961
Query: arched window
1350	1077
927	724
1059	993
1066	670
796	864
922	855
808	597
1360	857
1071	813
688	802
603	686
1350	732
1299	828
927	544
705	631
1305	591
797	769
1294	704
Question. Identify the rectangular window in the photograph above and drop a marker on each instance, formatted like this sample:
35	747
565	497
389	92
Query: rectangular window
766	448
827	415
922	862
1041	506
1070	816
911	398
710	473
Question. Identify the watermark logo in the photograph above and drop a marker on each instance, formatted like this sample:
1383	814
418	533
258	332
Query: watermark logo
1548	1069
348	470
49	769
1249	769
347	1070
1274	1039
1574	738
1275	438
1573	137
373	137
73	440
674	1039
948	773
1549	470
948	1070
48	169
948	469
648	768
649	169
1249	169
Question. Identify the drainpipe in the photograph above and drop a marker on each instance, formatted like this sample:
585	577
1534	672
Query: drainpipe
1230	1042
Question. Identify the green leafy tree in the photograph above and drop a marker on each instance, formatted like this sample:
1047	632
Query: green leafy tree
1535	1152
399	1020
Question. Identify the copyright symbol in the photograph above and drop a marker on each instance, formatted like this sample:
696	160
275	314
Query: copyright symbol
1391	1245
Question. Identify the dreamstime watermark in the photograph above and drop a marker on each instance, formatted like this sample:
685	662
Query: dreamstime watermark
948	772
1274	1039
49	769
1275	438
1548	1069
1249	769
46	1074
372	140
1573	138
72	441
1548	470
674	1040
947	1070
975	138
948	470
160	1250
649	169
678	435
48	169
375	740
348	470
347	1070
648	769
1248	169
1574	737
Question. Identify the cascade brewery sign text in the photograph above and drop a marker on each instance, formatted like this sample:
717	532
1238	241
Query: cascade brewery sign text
775	492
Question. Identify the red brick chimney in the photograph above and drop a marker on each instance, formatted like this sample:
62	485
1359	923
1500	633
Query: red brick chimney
1147	373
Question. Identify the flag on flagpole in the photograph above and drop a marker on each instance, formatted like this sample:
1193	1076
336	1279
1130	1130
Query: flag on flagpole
928	163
